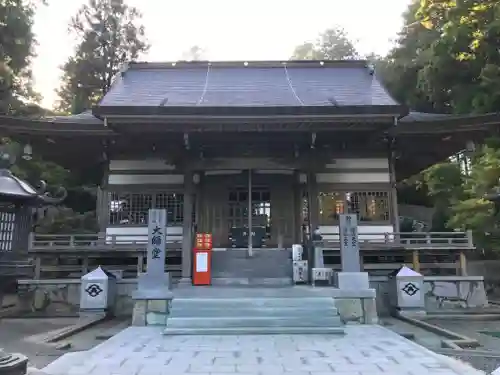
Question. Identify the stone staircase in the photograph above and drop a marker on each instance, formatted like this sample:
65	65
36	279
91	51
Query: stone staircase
238	311
265	267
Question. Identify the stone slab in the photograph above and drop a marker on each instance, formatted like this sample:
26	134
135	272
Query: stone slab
352	280
356	293
364	350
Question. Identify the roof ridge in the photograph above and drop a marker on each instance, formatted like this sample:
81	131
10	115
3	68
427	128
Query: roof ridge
140	65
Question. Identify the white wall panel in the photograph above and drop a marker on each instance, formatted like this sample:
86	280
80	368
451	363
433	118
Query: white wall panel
350	178
375	233
140	165
146	179
363	163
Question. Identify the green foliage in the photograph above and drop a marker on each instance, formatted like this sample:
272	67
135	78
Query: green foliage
460	199
447	60
109	35
66	221
444	181
16	52
400	70
333	44
463	64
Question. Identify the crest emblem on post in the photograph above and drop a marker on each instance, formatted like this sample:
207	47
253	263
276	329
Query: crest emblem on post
93	290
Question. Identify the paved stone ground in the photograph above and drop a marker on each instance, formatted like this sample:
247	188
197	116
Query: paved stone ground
365	350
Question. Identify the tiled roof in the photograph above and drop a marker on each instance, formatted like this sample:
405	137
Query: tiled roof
252	84
422	116
82	118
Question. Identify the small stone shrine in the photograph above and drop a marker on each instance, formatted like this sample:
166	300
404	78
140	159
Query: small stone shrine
406	291
98	292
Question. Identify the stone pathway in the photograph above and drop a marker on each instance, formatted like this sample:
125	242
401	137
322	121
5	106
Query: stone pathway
365	350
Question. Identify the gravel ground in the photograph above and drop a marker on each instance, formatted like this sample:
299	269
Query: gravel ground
15	337
26	336
486	364
472	328
468	328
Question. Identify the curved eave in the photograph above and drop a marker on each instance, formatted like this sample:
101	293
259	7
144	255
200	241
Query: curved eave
13	188
445	124
19	125
202	113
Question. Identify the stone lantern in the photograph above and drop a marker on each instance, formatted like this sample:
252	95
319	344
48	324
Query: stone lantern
13	364
18	199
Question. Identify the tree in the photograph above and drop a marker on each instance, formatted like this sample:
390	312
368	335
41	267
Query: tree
195	53
333	44
399	71
16	51
109	36
463	67
474	211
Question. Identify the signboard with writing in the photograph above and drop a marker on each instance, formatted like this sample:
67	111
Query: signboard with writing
349	243
157	236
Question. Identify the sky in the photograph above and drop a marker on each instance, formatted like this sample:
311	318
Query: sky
225	29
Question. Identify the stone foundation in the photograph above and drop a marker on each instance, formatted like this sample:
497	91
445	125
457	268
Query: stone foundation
150	312
356	306
441	293
61	297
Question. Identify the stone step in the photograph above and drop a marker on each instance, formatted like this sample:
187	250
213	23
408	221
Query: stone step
255	331
313	303
226	279
254	321
239	311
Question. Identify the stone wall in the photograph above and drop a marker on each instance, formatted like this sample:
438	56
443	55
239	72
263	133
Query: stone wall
61	297
441	293
490	270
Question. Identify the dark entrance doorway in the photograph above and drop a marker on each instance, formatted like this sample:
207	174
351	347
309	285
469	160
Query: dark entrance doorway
227	197
260	208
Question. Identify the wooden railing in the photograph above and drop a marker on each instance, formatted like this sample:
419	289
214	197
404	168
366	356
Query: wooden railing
451	243
94	242
407	240
83	248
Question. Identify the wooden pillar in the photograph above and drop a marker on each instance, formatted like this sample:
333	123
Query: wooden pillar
312	191
187	226
297	208
140	264
393	194
416	261
38	267
85	265
462	264
103	201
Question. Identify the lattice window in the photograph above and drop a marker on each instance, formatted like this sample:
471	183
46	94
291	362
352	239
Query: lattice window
174	204
369	205
330	206
7	227
132	208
